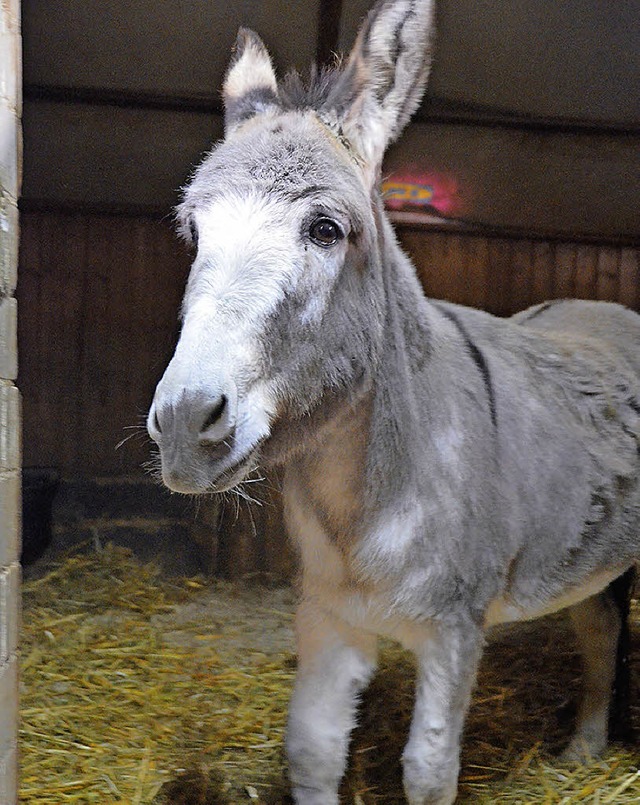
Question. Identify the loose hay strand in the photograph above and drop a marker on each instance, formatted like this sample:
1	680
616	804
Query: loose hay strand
137	689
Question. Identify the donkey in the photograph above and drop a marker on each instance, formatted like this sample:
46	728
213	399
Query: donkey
444	470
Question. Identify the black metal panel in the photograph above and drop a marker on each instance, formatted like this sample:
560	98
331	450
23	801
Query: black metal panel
555	60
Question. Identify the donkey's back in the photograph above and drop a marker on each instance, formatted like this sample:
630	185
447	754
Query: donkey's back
614	326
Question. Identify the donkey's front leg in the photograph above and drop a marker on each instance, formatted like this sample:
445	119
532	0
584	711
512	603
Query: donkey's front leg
335	662
447	659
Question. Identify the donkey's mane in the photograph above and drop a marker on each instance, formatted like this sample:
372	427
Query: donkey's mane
313	92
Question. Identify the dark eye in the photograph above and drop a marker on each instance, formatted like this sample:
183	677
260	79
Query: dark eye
193	233
325	232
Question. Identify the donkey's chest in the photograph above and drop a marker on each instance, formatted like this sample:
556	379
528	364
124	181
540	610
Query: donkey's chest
358	580
329	580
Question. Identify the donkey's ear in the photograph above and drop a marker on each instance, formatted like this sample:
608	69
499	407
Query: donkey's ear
385	76
250	86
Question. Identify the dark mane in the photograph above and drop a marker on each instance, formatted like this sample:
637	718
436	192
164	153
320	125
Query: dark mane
296	92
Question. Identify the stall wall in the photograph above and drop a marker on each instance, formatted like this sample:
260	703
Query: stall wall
10	86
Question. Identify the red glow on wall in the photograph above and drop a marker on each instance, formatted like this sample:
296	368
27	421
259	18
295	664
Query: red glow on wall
414	190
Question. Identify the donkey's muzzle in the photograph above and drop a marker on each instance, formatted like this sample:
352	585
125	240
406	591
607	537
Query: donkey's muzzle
194	417
195	430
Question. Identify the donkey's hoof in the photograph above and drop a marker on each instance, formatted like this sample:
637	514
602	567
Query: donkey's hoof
583	749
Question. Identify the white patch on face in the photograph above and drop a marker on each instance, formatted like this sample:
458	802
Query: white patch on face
257	411
251	253
248	250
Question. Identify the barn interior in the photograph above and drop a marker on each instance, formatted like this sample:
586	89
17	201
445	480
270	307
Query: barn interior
515	183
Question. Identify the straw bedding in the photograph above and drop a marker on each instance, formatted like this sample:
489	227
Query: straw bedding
139	689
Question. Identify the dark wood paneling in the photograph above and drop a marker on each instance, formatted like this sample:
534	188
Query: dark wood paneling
157	47
561	62
535	183
532	183
505	275
329	14
99	299
101	157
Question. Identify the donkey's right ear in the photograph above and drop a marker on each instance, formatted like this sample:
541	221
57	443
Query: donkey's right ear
250	86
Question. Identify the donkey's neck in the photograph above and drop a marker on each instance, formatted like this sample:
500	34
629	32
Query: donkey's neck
362	452
397	418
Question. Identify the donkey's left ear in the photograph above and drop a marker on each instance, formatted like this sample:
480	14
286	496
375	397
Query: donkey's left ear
250	86
385	76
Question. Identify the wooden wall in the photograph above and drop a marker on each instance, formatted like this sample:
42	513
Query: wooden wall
504	275
99	297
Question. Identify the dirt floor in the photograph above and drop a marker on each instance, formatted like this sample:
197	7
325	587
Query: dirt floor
140	689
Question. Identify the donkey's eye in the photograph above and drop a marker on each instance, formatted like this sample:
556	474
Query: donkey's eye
193	233
325	232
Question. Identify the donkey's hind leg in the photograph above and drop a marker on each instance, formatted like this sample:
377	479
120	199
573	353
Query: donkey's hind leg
620	727
600	626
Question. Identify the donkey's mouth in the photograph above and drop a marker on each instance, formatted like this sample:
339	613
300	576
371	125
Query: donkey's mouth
202	477
237	472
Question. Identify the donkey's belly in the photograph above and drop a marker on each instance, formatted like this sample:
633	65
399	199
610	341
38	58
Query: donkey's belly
505	609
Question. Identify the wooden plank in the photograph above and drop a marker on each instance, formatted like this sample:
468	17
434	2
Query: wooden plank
630	278
585	277
473	280
608	274
436	259
564	271
500	277
522	276
542	287
99	300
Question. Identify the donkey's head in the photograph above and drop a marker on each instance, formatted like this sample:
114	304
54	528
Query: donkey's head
285	303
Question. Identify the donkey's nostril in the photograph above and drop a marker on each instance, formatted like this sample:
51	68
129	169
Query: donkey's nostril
215	414
156	422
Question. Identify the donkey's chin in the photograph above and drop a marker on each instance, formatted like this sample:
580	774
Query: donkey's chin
218	478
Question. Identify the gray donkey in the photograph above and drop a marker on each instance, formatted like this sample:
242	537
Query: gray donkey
444	470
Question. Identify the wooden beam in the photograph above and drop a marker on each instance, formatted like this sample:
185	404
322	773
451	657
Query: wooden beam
329	14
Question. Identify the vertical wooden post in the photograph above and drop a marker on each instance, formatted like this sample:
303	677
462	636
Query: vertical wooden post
10	172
